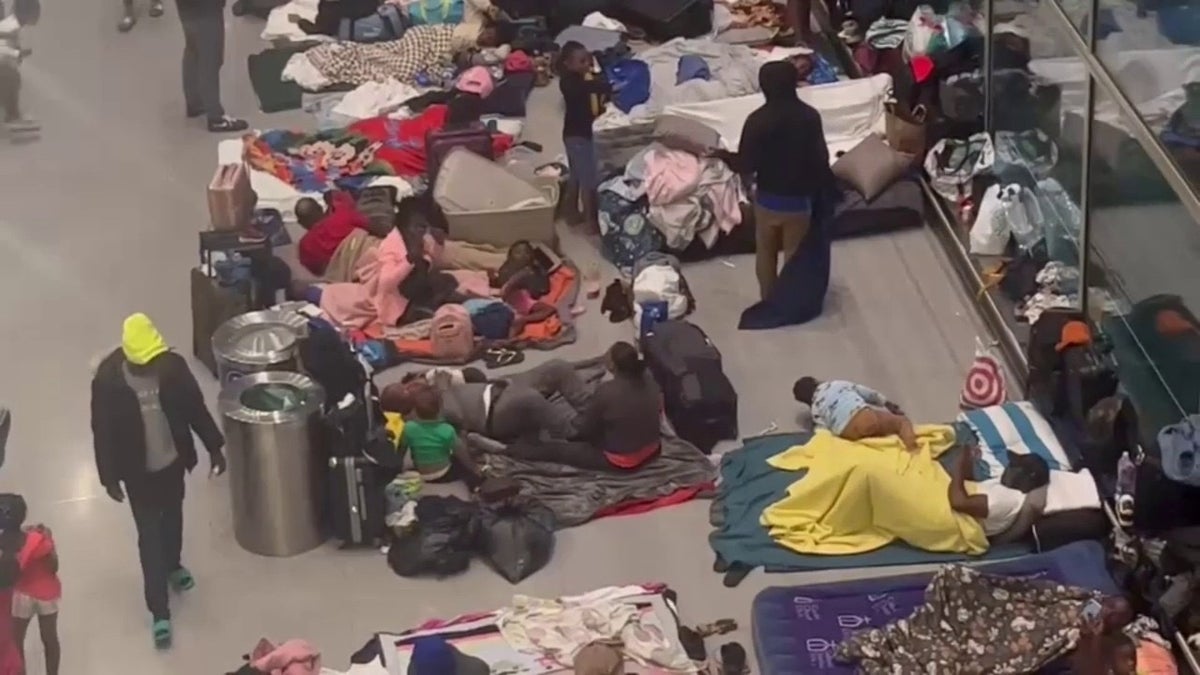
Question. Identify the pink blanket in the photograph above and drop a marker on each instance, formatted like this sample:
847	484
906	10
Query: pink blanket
377	295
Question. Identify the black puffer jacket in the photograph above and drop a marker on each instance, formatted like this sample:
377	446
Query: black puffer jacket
118	434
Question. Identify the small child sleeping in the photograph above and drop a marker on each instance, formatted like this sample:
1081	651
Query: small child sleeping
852	411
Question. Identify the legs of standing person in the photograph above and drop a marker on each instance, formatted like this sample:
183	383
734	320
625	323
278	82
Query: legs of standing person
203	57
157	505
585	172
768	242
48	628
10	92
129	18
20	622
799	17
776	232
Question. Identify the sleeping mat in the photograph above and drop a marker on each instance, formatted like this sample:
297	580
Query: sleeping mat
679	473
796	629
748	486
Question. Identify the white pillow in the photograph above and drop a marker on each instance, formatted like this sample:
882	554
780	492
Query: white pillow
1069	490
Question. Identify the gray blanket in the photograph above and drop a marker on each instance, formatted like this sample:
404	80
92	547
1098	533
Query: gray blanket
579	495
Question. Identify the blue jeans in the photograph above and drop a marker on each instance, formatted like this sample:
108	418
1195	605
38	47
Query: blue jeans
581	158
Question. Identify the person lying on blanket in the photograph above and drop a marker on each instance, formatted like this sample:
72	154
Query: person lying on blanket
518	407
852	411
438	453
430	48
997	503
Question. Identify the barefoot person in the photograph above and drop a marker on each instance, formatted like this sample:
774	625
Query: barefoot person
852	411
146	405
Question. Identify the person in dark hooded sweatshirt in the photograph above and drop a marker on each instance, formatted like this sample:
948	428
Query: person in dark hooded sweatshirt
783	148
146	406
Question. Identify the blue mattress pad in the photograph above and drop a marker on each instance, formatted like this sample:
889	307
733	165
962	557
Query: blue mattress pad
797	629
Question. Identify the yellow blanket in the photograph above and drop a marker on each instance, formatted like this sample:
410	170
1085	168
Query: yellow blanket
861	495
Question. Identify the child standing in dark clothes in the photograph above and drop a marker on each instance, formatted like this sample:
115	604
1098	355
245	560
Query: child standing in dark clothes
585	93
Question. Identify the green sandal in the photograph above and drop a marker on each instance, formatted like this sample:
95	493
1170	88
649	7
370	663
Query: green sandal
182	580
161	630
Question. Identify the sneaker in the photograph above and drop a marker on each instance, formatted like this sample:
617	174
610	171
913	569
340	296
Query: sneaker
161	632
182	580
22	126
156	9
227	125
127	23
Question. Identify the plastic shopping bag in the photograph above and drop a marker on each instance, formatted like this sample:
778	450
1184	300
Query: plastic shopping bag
985	384
990	233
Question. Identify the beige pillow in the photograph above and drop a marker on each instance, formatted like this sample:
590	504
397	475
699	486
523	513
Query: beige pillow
871	166
682	133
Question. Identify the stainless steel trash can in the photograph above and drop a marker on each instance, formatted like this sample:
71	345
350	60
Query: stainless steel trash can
257	341
276	474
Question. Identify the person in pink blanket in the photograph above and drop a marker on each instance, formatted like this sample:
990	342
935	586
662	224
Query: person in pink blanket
377	296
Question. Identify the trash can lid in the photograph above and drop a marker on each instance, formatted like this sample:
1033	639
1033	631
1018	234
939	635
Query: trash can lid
271	397
259	338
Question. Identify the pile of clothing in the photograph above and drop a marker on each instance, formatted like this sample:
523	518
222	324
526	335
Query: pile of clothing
665	199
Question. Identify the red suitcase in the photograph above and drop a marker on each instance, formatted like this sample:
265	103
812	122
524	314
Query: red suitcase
438	144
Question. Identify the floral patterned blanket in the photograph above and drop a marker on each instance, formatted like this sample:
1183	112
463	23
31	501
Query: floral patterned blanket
973	622
349	158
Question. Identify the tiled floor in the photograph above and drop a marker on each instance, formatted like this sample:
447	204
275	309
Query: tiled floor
98	219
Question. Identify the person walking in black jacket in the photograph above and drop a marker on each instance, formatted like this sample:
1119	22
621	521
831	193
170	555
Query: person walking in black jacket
145	407
203	55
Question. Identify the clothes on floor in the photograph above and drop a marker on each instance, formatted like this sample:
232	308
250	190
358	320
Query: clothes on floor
157	503
836	402
203	56
561	628
998	624
689	196
858	496
344	263
421	49
776	232
376	297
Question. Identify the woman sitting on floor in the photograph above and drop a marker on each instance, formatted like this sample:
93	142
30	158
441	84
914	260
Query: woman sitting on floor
618	428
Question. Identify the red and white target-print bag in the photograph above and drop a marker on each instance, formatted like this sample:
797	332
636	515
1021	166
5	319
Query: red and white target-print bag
985	380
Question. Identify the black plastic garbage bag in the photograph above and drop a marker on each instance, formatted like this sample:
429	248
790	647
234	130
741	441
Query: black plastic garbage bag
517	537
440	543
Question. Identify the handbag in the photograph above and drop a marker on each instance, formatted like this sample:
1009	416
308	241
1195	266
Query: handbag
230	197
905	130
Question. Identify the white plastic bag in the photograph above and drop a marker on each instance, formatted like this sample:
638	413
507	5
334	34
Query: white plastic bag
1021	212
924	28
990	233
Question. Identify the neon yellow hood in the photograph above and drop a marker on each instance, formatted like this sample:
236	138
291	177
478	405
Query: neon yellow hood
141	341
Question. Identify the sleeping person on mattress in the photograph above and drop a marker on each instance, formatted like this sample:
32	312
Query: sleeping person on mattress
853	411
999	504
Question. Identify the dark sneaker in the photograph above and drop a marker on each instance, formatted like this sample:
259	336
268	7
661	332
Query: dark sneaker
156	9
127	23
22	126
227	125
161	631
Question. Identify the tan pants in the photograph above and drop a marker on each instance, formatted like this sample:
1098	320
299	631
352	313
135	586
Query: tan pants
775	232
875	422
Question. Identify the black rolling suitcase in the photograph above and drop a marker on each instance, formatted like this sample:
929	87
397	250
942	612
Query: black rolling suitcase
664	20
698	398
360	467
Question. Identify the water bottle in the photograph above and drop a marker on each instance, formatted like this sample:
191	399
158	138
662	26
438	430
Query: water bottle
1126	475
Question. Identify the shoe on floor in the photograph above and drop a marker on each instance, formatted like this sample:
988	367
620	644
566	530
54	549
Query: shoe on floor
127	23
161	632
22	126
182	580
227	125
733	659
156	9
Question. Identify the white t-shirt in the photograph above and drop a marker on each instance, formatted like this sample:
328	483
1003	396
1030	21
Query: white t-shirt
1004	504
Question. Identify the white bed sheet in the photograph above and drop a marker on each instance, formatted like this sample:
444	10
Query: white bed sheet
850	111
273	193
280	29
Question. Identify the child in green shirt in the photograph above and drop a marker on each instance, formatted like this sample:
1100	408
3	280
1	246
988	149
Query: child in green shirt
437	452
